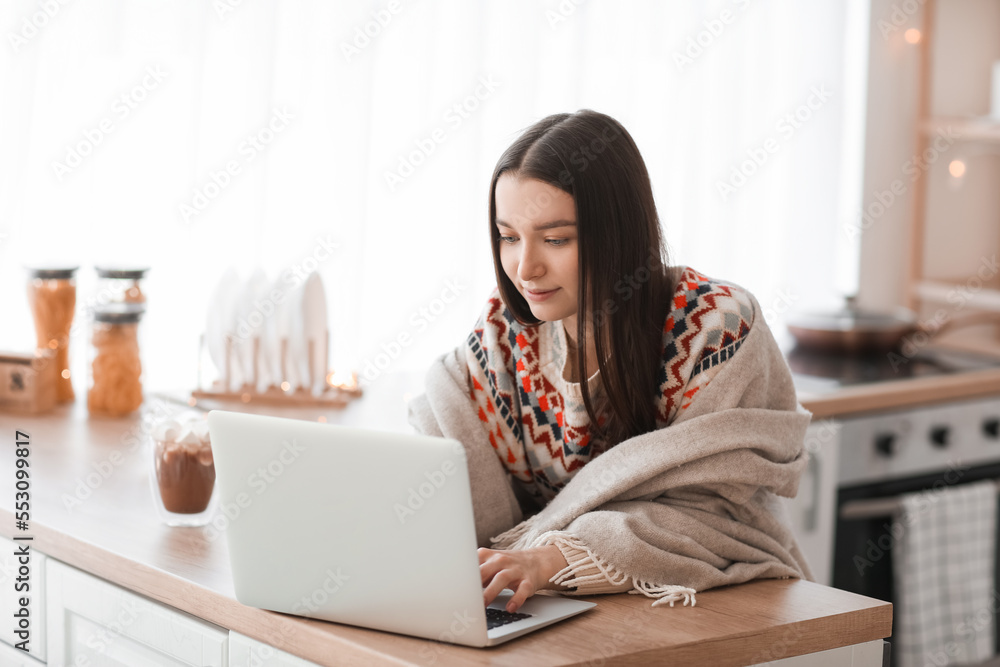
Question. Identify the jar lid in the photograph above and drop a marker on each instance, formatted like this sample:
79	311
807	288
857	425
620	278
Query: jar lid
58	272
121	272
119	313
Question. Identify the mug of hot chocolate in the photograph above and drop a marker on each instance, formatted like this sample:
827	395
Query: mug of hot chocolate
183	473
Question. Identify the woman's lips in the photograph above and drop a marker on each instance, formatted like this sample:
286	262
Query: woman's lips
540	296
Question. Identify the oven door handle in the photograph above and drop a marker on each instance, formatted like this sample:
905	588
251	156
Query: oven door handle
811	515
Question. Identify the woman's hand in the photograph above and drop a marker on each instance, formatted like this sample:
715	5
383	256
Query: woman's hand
523	571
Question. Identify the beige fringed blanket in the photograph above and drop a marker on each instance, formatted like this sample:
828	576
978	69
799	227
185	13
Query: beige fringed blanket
681	509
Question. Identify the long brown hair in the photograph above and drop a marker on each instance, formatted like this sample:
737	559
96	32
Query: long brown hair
625	284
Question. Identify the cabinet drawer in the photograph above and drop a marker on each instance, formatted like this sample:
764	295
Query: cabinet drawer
246	652
9	572
12	657
111	627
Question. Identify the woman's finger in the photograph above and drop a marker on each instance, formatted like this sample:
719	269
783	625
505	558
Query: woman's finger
524	591
500	581
489	569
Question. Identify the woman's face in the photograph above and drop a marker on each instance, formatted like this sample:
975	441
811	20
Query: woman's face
538	236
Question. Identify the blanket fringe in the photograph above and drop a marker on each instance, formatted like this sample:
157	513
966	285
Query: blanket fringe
663	594
515	538
570	575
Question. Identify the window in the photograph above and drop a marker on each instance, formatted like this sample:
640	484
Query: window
193	136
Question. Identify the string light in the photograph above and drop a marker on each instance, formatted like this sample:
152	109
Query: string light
342	379
956	168
912	36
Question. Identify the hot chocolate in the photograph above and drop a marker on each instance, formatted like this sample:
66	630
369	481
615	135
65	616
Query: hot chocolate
185	470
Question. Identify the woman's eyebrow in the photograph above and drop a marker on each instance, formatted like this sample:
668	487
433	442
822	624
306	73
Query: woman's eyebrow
543	226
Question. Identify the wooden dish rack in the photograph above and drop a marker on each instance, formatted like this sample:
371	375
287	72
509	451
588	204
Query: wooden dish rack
336	393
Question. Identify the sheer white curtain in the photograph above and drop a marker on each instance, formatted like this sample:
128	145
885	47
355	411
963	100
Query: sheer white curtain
193	136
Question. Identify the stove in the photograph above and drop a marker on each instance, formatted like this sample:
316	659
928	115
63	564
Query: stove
821	372
862	464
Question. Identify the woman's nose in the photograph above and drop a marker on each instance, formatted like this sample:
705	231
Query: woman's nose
529	266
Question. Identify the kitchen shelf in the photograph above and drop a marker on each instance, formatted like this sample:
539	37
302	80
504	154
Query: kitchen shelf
968	292
964	128
945	292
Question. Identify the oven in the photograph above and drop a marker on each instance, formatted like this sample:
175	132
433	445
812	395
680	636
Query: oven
920	450
879	456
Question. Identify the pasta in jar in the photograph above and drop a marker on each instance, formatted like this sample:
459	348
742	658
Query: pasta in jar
52	299
116	366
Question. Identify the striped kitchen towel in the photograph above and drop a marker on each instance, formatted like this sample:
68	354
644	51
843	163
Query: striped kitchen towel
943	564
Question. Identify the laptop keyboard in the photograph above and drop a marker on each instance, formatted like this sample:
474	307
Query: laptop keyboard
497	617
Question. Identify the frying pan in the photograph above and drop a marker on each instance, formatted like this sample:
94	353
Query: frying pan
852	330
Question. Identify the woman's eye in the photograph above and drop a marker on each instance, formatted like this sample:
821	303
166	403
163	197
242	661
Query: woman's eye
554	242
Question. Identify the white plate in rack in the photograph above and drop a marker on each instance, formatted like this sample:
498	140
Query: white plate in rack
291	326
243	329
273	332
261	312
314	328
219	317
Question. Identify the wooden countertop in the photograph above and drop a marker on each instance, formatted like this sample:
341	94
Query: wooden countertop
900	394
92	509
825	399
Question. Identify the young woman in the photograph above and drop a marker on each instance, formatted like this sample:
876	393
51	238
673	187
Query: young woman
640	415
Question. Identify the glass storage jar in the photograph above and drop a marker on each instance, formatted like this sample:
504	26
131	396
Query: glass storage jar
115	364
120	284
52	299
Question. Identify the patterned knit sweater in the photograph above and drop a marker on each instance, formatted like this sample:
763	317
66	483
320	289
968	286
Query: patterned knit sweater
536	419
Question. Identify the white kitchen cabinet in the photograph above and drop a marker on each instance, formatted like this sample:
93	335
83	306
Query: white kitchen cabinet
868	654
95	623
246	652
813	511
9	566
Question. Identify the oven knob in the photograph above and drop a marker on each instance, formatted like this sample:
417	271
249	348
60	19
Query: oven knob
939	436
885	444
991	427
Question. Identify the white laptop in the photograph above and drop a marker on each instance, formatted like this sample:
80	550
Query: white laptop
363	527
